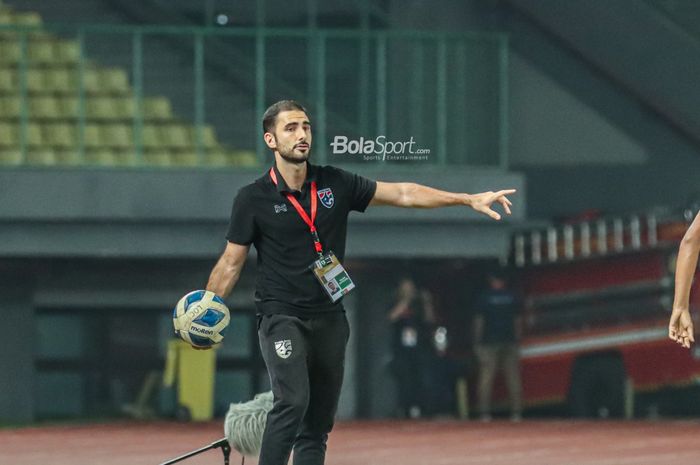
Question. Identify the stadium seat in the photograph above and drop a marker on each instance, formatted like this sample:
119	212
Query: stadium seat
208	136
69	106
124	107
45	108
10	157
100	108
244	158
35	80
60	135
41	156
8	80
8	135
101	157
114	80
92	136
68	157
10	52
157	108
35	137
176	136
10	107
151	137
158	158
67	51
60	81
118	136
40	52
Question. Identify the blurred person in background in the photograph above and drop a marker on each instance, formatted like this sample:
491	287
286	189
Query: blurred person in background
497	331
412	321
680	327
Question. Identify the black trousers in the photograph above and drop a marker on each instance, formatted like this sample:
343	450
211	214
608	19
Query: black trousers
305	359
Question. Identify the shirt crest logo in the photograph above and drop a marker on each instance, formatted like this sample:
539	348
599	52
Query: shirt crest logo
283	348
280	208
326	197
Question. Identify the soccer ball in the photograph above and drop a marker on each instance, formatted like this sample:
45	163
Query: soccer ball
201	318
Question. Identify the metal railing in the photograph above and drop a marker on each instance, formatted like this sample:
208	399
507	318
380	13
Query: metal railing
448	91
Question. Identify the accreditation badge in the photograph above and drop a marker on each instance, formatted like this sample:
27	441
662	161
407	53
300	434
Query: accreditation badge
332	276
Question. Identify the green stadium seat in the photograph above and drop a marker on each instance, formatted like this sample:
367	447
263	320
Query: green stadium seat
157	108
27	18
68	157
244	158
208	136
69	106
218	157
91	81
101	157
35	137
185	159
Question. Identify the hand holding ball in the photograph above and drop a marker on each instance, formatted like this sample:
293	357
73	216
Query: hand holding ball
201	318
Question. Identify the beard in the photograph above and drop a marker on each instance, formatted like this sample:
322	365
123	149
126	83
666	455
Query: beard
293	157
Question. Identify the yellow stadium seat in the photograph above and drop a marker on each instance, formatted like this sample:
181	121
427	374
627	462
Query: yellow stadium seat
10	107
9	136
91	81
124	107
60	81
218	157
8	81
157	158
208	136
176	136
244	158
92	136
101	156
60	135
41	156
35	137
27	18
44	107
11	157
10	52
114	80
118	136
157	108
68	157
100	108
40	52
186	158
151	137
35	80
69	106
67	51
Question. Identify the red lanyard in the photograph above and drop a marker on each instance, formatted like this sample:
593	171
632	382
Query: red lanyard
302	213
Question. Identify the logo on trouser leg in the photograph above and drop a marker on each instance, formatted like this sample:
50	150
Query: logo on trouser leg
283	348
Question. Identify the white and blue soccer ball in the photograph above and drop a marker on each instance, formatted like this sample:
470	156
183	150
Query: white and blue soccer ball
201	318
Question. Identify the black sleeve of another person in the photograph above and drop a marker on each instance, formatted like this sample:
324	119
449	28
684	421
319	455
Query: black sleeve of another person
241	229
361	189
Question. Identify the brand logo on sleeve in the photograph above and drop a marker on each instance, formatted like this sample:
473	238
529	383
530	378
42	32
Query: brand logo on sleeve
326	197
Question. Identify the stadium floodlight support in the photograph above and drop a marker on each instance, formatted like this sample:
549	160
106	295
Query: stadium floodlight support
221	443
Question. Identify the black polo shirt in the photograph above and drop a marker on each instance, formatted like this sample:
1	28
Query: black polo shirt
263	216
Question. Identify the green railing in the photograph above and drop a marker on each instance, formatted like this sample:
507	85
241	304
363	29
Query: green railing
446	92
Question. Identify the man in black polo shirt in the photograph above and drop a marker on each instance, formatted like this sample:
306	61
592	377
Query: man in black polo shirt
296	216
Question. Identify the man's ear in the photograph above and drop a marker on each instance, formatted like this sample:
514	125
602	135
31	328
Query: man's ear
270	140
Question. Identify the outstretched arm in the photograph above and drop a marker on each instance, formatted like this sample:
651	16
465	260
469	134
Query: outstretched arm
228	269
411	195
680	327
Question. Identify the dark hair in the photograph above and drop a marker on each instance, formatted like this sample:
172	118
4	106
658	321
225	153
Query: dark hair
270	116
